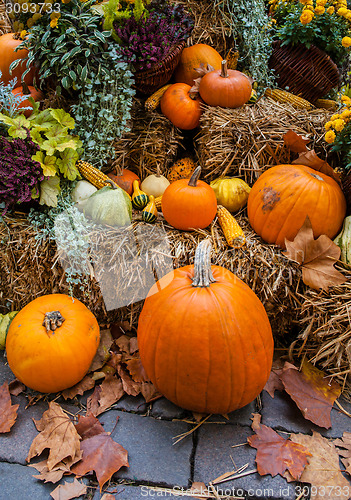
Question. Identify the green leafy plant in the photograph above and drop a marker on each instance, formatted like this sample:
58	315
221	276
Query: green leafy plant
116	11
326	25
102	113
68	45
59	150
248	23
9	103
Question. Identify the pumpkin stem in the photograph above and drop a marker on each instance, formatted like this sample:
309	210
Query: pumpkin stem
195	176
113	184
25	89
53	320
224	69
202	265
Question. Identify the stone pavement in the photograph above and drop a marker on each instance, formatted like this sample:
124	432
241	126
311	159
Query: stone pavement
147	431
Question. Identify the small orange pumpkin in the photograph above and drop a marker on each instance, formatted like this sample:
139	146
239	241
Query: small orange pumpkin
227	88
181	106
30	92
284	195
124	179
204	338
191	59
189	203
51	343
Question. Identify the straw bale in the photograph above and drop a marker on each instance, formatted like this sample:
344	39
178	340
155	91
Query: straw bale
151	145
5	22
248	140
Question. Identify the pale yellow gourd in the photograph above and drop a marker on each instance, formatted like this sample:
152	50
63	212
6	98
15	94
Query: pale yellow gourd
231	192
154	185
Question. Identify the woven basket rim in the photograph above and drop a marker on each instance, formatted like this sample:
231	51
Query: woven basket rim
299	46
175	49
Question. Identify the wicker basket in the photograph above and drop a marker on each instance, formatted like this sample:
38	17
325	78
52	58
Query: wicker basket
309	73
149	80
5	23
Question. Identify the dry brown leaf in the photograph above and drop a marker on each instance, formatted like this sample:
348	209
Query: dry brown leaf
323	471
129	386
58	434
16	387
149	391
55	474
108	496
133	345
123	343
345	443
316	257
313	394
8	411
312	160
111	391
88	426
67	490
198	488
103	352
275	454
256	421
295	142
136	370
102	455
93	401
85	384
273	383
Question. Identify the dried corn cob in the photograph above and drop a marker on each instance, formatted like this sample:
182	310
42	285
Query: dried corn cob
153	101
232	231
287	97
92	174
232	58
327	104
158	201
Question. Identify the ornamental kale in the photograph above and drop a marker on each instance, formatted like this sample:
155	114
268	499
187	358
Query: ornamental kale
19	174
148	40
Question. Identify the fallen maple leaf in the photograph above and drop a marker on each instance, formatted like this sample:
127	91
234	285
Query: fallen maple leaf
136	370
316	257
133	345
88	426
123	342
8	411
130	387
58	434
55	474
275	454
312	160
16	387
295	142
149	391
85	384
109	392
313	394
345	443
322	471
67	490
274	383
102	455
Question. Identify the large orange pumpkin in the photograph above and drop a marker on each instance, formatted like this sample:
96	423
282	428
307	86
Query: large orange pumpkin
32	92
284	195
189	203
227	88
7	50
51	343
204	338
181	106
191	59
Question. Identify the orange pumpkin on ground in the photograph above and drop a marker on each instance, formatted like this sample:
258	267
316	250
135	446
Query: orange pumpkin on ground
181	106
189	203
204	338
7	50
284	195
191	59
227	88
124	179
32	92
51	343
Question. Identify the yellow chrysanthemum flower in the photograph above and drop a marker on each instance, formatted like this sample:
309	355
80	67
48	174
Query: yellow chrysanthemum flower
30	22
345	115
36	16
319	10
321	2
346	41
330	136
345	99
306	17
53	22
330	10
55	15
339	124
334	117
15	25
328	125
342	11
23	34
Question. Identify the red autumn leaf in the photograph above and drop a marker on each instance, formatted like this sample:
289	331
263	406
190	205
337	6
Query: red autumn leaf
345	453
295	142
312	393
275	454
312	160
85	384
316	257
102	455
67	490
273	384
8	411
88	426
